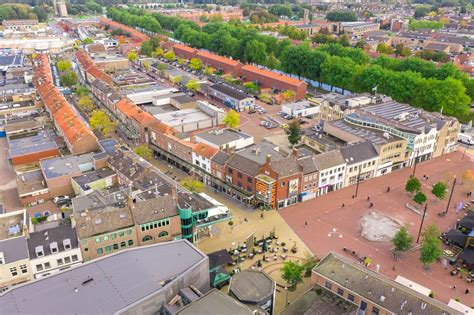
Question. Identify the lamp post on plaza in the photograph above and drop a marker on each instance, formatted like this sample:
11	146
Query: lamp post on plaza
414	165
451	194
358	181
422	221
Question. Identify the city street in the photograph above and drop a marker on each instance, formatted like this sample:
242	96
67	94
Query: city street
8	192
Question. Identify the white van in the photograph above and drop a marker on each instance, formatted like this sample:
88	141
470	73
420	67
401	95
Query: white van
466	139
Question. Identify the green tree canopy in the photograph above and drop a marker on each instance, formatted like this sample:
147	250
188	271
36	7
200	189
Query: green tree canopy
195	64
293	132
192	184
419	198
69	78
64	65
132	56
431	246
341	16
143	151
402	241
100	121
193	85
439	190
413	184
170	55
292	273
85	103
232	119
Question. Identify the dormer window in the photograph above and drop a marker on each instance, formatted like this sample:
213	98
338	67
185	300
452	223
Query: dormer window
54	247
39	251
67	244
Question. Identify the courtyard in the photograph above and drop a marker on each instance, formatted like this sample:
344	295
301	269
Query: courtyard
333	222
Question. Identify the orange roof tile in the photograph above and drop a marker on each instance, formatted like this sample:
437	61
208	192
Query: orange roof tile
218	58
205	150
273	75
184	47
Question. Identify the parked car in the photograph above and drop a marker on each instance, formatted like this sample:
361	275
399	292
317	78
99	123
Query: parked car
280	113
263	123
252	111
61	200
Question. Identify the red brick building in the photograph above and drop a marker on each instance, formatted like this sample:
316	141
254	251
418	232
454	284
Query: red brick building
273	80
184	51
220	63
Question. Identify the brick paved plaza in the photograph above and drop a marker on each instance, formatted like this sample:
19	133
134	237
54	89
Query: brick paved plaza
333	227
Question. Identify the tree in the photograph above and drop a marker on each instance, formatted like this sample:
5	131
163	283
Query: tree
146	65
344	40
402	241
158	52
431	246
232	119
289	95
255	52
209	71
81	90
419	198
69	78
85	103
341	16
169	55
64	65
177	79
143	151
293	132
402	50
384	49
100	121
195	64
413	185
439	190
132	56
292	273
192	185
309	263
88	41
181	61
193	85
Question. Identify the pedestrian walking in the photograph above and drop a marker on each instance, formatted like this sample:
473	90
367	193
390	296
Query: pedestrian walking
305	223
368	198
394	268
467	291
343	205
388	189
454	288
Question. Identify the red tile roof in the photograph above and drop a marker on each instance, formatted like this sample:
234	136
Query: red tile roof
133	32
218	58
71	125
184	48
273	75
90	67
205	150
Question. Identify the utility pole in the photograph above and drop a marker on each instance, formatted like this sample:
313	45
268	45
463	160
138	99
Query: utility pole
422	220
414	167
358	181
451	194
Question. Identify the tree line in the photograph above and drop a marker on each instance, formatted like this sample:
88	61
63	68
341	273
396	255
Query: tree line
414	81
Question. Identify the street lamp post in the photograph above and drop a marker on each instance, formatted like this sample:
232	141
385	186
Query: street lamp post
422	221
286	297
358	181
414	165
451	194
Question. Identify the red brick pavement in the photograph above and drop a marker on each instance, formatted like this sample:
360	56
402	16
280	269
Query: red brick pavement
326	213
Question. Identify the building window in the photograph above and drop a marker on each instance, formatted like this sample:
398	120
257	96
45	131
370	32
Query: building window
130	242
163	234
67	260
147	238
122	233
13	272
59	262
350	297
114	236
375	311
105	238
283	184
239	175
129	231
100	251
74	258
97	240
123	245
108	249
328	285
39	267
229	171
340	291
47	265
249	179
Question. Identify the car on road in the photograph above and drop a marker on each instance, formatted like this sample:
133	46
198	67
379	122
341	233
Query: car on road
281	113
262	111
252	111
61	200
316	128
263	123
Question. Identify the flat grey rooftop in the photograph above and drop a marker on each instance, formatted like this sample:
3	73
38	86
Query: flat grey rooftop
215	302
66	165
113	283
182	117
222	136
42	141
252	286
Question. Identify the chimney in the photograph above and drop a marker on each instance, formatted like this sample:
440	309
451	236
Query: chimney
296	152
268	158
